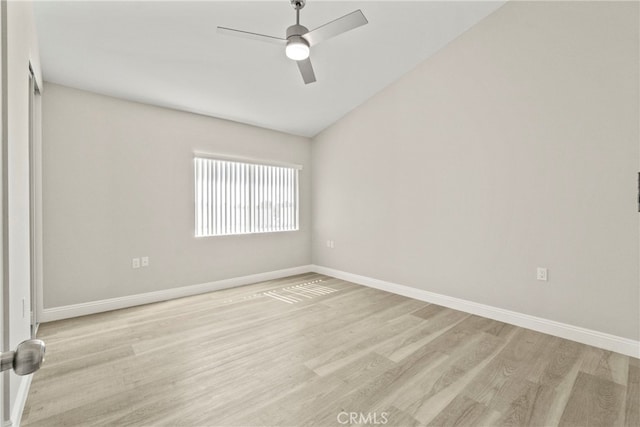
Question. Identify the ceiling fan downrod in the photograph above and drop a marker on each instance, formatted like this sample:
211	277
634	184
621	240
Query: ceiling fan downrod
297	5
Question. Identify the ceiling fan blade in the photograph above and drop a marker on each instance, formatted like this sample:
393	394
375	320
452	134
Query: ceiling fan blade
306	69
336	27
254	36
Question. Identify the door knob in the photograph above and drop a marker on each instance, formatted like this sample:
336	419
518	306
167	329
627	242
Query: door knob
27	358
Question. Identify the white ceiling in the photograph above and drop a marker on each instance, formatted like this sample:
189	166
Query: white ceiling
168	53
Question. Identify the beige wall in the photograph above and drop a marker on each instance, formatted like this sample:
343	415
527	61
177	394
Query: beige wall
514	147
118	184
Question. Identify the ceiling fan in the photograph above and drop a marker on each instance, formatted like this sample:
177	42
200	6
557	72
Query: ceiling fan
299	39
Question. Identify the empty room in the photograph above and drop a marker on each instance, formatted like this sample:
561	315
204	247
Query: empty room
315	212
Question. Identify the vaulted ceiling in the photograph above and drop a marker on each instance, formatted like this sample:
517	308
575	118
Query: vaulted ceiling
168	53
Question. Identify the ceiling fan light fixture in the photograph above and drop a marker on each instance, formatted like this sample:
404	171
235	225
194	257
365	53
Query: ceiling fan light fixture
299	39
297	48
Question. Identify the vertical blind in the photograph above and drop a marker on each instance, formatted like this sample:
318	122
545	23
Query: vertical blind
240	198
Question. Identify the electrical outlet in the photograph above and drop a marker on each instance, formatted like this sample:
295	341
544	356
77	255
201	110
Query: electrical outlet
328	243
135	263
145	261
541	274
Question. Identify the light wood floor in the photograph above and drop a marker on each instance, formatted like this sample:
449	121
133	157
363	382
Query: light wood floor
310	350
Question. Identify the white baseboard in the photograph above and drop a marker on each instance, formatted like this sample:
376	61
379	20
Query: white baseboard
83	309
575	333
21	400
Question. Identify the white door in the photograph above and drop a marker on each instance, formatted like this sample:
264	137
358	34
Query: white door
4	398
27	357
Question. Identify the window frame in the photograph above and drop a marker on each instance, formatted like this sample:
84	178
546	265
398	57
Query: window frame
255	226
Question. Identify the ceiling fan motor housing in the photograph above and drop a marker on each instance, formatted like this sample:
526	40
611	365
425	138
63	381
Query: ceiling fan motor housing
296	30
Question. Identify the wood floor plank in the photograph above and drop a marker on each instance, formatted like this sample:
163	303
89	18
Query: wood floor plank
594	402
493	386
246	357
605	364
408	341
429	311
632	401
454	377
333	359
529	405
562	394
555	361
376	391
397	417
463	411
313	396
468	356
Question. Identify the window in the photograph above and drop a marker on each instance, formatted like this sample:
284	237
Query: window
240	198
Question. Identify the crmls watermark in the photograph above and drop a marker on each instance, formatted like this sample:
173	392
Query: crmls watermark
363	418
